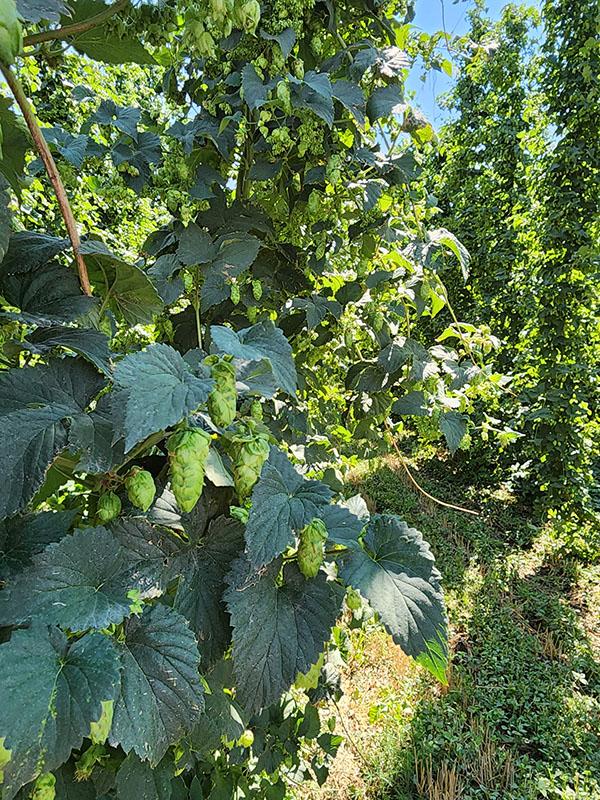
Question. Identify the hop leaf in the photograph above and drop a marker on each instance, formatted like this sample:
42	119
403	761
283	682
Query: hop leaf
11	35
222	401
140	488
188	452
311	549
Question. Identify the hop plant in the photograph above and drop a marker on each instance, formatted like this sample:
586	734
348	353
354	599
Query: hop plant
188	452
222	401
11	35
109	507
251	450
140	488
311	548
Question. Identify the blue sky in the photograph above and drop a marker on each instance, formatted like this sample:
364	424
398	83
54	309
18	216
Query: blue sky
429	18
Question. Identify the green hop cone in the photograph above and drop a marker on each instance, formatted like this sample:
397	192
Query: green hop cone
256	411
311	549
84	766
248	464
222	401
44	787
353	600
257	289
109	507
246	739
11	35
378	321
188	452
235	293
140	488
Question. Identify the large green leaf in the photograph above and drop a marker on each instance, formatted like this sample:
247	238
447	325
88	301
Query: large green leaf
255	91
29	250
454	426
261	341
200	590
385	101
103	45
46	295
343	527
314	93
24	536
235	253
279	627
127	290
137	779
80	582
15	144
90	344
151	552
283	502
160	696
125	119
54	691
42	411
154	389
396	573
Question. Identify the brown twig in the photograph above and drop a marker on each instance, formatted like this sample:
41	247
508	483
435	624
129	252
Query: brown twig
77	27
419	487
53	174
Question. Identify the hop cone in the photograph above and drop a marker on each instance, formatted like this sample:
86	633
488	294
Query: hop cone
311	549
188	451
248	464
140	488
109	507
222	401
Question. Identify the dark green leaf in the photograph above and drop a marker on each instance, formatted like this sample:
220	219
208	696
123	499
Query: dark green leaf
15	144
283	502
22	537
385	101
351	96
90	344
155	389
279	629
46	295
56	691
195	246
80	582
286	40
128	290
42	411
396	573
255	91
261	341
314	93
203	569
104	449
454	427
72	148
29	250
125	119
137	779
101	45
342	526
160	696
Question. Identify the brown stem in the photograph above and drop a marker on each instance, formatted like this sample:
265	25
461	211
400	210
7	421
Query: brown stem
76	27
420	488
50	165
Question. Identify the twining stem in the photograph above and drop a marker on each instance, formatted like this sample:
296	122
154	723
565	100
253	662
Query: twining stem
50	165
418	486
77	27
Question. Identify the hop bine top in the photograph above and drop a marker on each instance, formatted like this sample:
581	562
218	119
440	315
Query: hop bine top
188	453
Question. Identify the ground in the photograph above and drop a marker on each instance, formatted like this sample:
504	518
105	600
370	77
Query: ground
520	719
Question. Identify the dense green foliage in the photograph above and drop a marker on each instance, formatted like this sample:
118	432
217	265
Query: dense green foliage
520	185
175	545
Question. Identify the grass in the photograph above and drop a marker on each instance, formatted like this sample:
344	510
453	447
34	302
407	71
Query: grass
521	717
